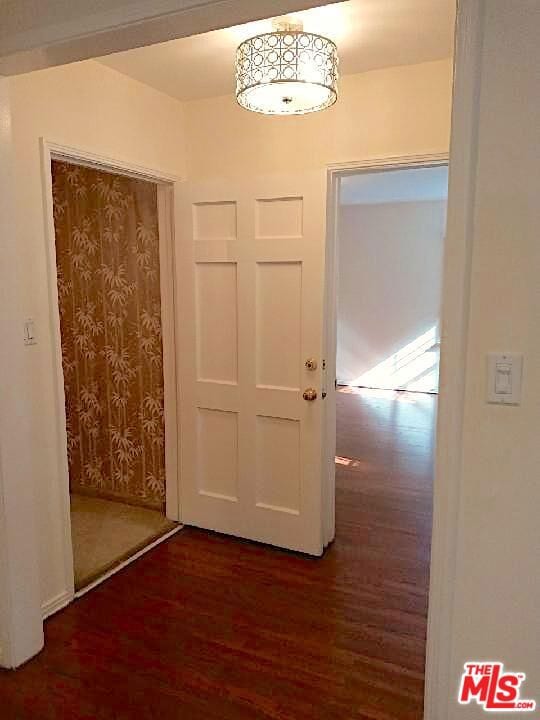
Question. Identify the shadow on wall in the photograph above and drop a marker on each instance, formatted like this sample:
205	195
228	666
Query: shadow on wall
414	367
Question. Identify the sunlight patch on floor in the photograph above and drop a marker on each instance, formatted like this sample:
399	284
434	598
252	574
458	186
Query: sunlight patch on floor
414	367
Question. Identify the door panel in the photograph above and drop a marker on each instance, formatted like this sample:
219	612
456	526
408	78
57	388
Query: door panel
216	304
251	282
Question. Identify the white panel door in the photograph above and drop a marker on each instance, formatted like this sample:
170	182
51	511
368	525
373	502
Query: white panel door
251	287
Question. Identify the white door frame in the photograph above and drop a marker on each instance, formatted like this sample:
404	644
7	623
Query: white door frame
440	687
167	189
335	172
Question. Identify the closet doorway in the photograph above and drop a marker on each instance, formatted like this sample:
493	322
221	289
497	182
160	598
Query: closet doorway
115	301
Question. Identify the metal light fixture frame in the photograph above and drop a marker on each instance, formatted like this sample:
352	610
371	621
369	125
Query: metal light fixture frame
283	56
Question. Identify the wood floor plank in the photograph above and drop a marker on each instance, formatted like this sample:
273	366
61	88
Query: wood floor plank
206	626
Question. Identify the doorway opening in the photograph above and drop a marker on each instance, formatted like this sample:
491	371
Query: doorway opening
391	227
387	231
108	283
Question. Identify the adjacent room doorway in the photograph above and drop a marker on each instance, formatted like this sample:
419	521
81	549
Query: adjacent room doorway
387	230
391	229
112	271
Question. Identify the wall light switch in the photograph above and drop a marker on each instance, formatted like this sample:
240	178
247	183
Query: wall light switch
504	378
29	332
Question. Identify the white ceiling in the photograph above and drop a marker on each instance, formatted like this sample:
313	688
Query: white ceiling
370	34
418	184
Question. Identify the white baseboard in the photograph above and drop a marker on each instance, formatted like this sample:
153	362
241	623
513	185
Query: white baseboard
64	598
129	560
56	603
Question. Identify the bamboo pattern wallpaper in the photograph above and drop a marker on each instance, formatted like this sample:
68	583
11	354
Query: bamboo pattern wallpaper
107	258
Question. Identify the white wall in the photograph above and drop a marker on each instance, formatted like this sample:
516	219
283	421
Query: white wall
383	113
97	109
21	632
497	585
389	285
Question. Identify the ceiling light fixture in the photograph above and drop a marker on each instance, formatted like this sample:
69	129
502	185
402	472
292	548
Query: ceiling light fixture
287	71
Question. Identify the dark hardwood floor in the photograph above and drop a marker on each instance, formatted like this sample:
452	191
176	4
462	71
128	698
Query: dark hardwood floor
208	627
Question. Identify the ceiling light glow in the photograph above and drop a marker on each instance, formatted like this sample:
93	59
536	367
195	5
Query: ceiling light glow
286	72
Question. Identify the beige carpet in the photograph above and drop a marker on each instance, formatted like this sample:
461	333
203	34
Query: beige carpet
106	533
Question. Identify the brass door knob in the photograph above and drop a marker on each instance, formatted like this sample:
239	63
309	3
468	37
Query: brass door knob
309	394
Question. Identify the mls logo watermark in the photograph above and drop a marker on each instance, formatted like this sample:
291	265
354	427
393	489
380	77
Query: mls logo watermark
488	684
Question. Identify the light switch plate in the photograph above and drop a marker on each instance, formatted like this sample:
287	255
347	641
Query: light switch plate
29	336
504	378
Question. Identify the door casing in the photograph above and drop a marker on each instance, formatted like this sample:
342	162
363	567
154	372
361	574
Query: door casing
167	186
334	173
